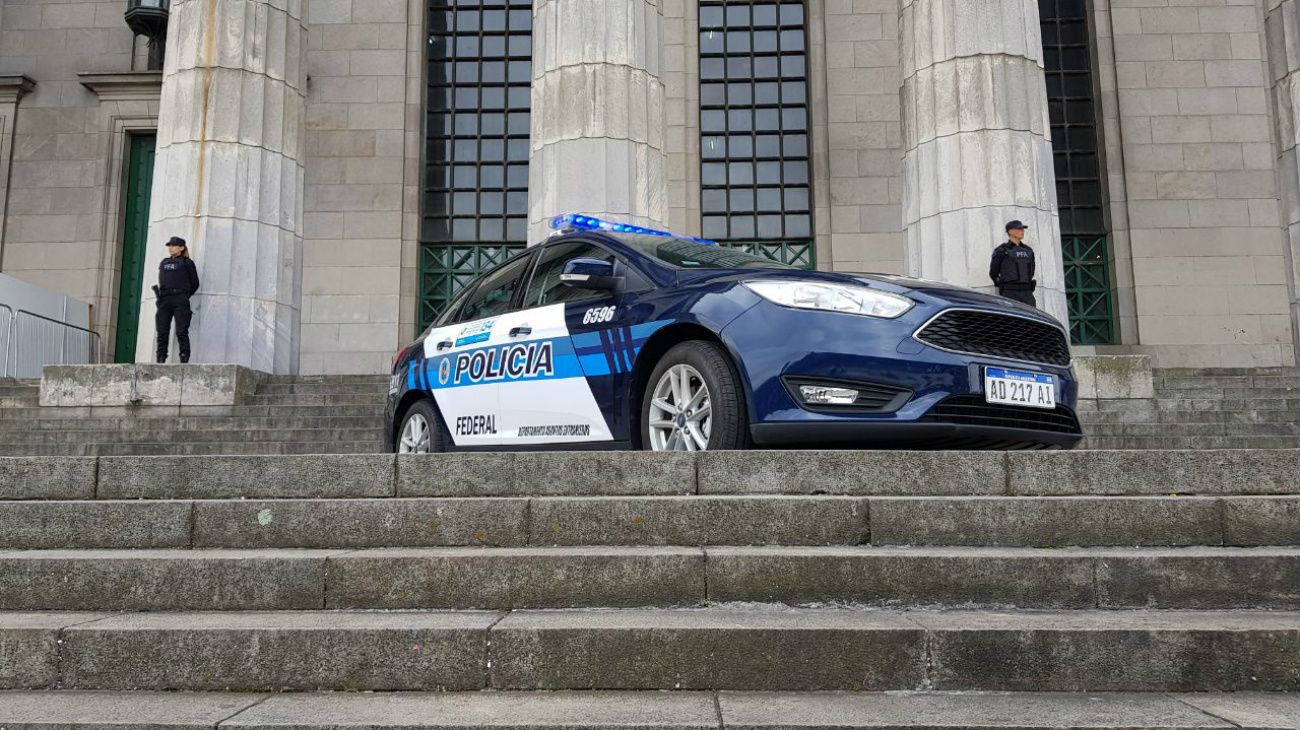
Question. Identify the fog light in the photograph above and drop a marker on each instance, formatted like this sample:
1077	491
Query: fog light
820	395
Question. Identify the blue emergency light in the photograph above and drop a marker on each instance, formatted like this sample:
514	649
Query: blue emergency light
591	223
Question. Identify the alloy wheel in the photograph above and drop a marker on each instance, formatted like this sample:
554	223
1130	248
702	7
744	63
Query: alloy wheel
681	411
415	435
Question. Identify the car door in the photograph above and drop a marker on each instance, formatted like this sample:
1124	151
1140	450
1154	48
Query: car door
462	359
571	402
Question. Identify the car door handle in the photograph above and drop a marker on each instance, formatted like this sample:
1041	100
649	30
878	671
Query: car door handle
523	331
444	345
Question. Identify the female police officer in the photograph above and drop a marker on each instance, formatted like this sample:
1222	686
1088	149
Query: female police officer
178	279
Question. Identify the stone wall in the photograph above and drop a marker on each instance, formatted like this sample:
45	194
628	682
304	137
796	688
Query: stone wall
364	130
857	134
60	231
680	73
1199	175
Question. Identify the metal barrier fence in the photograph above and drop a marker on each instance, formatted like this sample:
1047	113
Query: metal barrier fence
6	322
32	341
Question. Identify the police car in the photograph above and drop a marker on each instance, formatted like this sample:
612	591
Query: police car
616	336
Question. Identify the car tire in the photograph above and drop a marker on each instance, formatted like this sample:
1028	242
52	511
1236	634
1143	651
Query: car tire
697	363
421	418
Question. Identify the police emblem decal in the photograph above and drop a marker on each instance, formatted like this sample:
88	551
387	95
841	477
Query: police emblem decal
444	371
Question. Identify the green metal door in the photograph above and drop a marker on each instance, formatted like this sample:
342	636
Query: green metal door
135	235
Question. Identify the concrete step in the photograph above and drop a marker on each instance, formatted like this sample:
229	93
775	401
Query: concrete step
570	577
379	388
153	415
19	401
751	648
425	522
316	399
1199	431
1228	381
632	710
1229	393
1168	430
728	520
1195	443
188	423
325	379
856	473
196	435
1171	416
1287	433
172	449
1192	404
1194	372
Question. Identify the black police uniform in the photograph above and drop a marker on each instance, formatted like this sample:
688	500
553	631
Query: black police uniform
178	279
1012	270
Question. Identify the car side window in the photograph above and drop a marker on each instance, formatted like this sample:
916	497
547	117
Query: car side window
448	315
545	287
495	292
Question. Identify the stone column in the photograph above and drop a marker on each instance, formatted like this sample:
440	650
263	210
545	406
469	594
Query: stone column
976	140
229	177
1282	26
598	113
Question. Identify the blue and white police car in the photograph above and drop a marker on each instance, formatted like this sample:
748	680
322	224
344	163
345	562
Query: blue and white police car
616	336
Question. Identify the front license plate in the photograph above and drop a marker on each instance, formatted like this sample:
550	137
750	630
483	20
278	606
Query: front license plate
1019	388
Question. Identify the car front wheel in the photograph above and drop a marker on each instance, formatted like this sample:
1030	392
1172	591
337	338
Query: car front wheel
421	430
692	402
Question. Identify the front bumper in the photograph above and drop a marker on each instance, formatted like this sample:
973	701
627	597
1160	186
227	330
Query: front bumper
944	409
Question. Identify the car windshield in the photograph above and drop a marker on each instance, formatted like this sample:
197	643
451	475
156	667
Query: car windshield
690	255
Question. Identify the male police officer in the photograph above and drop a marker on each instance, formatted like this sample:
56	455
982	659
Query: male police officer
178	279
1012	269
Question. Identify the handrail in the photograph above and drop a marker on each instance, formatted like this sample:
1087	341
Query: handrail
15	347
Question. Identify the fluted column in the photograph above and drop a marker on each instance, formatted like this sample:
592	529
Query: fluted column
976	139
597	113
229	177
1283	30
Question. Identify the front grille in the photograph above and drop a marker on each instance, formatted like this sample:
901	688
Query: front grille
971	410
997	335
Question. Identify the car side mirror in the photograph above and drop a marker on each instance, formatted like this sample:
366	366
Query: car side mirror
589	274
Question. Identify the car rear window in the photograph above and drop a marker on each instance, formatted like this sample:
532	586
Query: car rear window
691	255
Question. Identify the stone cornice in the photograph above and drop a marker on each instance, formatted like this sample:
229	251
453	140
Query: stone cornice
123	85
13	86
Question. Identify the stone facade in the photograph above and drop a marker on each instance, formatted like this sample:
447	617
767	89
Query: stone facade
857	135
1194	103
1198	170
363	142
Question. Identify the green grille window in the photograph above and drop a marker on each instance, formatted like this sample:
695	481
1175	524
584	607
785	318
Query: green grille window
1085	246
476	168
754	170
794	253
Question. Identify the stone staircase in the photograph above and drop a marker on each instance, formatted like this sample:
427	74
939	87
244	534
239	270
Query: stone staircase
1202	409
286	415
945	591
1196	409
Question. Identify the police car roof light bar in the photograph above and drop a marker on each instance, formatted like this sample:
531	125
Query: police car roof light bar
578	221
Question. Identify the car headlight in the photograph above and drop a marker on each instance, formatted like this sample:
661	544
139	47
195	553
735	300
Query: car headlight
831	297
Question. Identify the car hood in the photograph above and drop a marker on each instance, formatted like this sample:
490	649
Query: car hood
932	292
